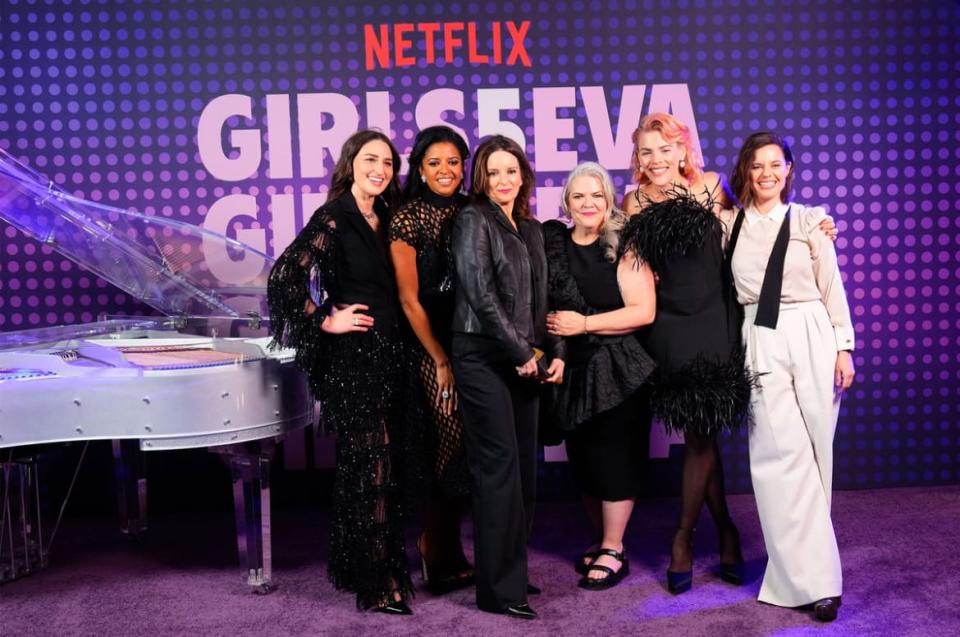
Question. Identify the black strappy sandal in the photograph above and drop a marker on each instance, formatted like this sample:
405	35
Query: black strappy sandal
612	578
582	565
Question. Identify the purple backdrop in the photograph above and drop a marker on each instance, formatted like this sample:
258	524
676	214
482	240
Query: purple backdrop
230	117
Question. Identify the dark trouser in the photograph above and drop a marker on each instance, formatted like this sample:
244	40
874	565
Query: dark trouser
499	412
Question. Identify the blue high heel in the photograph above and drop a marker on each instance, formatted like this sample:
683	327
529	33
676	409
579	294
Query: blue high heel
679	581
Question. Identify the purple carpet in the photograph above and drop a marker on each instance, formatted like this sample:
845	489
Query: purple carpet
898	546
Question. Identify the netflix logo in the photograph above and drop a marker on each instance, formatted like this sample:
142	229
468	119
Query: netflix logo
494	43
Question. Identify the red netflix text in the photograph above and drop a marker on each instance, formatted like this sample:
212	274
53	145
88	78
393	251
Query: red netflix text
394	45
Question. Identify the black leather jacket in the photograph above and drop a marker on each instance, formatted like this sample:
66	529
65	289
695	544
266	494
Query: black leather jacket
502	281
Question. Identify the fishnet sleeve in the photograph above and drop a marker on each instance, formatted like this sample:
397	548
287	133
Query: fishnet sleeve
407	225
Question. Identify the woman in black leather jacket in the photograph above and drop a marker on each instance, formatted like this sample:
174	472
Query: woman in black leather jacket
499	325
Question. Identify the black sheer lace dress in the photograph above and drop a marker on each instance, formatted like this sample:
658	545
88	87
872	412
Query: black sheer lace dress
435	456
356	377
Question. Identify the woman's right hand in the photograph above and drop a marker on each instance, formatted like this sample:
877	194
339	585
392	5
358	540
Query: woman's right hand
528	369
348	319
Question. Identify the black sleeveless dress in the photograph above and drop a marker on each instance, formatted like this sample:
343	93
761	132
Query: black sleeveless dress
702	385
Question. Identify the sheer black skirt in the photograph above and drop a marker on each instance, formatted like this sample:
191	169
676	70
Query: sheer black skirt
360	383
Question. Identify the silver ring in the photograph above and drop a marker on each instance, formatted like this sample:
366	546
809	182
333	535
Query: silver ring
445	394
356	321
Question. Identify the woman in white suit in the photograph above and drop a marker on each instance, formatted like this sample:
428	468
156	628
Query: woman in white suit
799	337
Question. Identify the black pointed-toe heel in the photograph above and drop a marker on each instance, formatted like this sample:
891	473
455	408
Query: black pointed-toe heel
520	611
440	579
394	608
732	573
825	610
679	581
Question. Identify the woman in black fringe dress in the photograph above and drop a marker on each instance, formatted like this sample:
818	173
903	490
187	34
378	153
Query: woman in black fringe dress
333	298
420	232
703	386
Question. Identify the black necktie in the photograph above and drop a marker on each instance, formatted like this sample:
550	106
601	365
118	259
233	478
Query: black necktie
768	309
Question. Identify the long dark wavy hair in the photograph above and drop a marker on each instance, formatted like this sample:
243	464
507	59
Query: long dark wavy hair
740	180
413	187
478	178
342	178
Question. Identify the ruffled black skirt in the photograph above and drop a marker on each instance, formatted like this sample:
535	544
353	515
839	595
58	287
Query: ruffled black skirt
618	367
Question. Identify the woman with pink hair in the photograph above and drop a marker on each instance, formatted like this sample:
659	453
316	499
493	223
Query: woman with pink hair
703	386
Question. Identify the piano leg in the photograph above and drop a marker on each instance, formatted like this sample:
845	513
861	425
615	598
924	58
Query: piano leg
250	470
129	467
21	537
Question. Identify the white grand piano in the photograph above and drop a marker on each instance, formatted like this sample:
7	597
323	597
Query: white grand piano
199	376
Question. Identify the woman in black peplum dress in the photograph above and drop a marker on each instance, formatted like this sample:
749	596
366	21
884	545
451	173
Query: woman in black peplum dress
599	302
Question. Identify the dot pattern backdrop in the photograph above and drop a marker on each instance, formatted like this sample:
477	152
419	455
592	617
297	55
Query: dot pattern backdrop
105	98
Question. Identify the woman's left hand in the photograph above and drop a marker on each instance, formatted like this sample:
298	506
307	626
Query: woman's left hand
555	372
843	372
565	323
446	397
829	228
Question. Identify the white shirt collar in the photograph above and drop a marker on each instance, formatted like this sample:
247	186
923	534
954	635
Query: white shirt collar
775	215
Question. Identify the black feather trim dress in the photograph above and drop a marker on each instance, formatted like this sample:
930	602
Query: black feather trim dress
703	385
356	377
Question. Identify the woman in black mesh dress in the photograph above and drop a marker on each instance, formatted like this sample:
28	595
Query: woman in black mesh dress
420	247
333	298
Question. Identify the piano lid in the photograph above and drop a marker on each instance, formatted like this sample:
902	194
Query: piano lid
40	336
175	267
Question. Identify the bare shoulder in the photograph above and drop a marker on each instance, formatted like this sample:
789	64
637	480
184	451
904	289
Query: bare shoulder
711	188
631	202
711	180
709	185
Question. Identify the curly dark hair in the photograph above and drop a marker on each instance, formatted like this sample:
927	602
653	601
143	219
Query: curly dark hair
342	178
413	187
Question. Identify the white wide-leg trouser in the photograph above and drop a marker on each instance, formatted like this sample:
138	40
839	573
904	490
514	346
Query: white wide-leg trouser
791	451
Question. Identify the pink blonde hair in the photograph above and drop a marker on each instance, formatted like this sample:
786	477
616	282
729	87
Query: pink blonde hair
672	130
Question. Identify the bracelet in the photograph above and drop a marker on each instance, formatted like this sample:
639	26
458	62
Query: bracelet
585	324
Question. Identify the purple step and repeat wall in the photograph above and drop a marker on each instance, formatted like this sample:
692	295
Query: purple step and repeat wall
230	116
